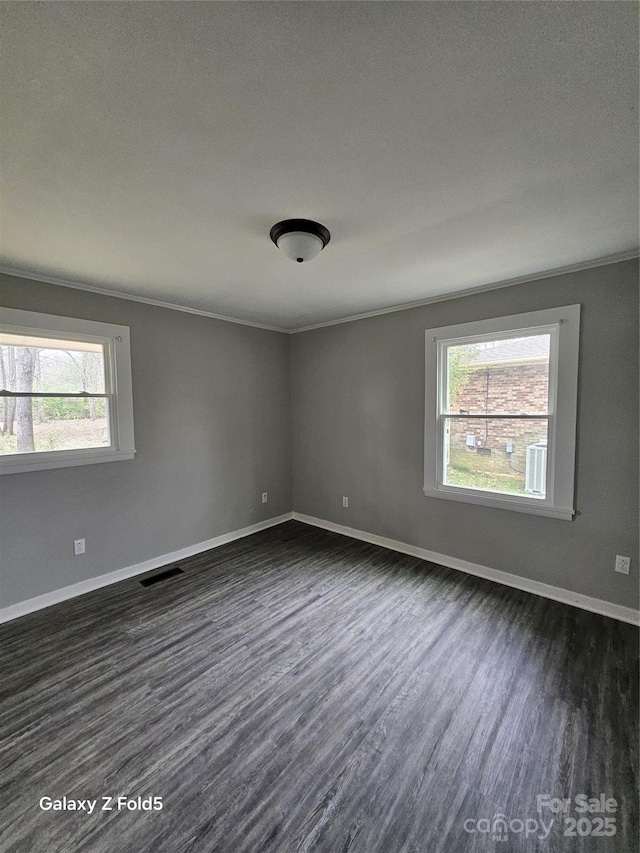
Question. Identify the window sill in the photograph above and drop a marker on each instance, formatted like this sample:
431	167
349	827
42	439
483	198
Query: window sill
530	506
19	464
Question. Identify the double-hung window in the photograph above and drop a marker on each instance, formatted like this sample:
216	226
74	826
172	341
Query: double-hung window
500	422
65	392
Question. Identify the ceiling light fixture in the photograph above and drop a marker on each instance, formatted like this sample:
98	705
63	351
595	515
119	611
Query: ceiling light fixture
300	239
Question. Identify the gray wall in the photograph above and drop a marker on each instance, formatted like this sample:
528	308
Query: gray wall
212	425
357	394
358	417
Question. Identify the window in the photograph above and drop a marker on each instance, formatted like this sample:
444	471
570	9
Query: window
500	419
65	392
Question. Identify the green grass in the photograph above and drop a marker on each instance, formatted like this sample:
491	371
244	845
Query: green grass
61	435
8	444
461	474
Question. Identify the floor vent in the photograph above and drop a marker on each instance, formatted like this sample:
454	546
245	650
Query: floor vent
161	576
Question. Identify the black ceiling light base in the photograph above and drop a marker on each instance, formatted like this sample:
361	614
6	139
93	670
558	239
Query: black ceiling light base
300	239
307	225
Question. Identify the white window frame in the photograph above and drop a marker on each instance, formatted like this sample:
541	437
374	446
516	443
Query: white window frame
564	326
119	395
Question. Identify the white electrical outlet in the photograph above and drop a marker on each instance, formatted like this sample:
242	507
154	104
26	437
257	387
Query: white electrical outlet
345	501
265	497
78	547
623	564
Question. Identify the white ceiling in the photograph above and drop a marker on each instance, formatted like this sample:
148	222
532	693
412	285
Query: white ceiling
149	147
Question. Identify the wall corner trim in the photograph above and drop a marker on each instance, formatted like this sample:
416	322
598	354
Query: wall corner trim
556	593
30	605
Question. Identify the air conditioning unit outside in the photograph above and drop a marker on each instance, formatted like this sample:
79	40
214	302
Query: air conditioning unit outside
535	471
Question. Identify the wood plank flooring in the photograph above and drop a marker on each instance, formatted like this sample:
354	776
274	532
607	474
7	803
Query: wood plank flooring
301	691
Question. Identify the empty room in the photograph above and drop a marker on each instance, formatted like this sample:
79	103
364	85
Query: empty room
319	427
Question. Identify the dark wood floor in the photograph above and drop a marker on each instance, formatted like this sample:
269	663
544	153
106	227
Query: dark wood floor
301	691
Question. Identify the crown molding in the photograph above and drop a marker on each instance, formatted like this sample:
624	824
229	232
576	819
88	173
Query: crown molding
103	291
406	306
482	288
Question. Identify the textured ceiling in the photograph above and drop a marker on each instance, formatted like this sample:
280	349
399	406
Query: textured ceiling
147	148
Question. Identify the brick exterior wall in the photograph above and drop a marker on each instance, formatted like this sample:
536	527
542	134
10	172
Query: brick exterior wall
509	388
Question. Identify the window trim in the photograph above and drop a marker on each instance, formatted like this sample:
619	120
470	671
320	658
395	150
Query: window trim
562	414
118	387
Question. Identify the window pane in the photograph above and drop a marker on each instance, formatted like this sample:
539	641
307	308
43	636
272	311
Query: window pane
46	364
505	455
43	424
508	376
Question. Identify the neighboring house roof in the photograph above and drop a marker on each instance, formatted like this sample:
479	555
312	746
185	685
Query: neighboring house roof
516	351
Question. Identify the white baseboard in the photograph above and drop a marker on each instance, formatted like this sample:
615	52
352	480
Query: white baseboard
557	593
57	595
